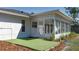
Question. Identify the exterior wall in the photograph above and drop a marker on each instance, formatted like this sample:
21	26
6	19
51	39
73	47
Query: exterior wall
40	30
14	23
49	18
64	21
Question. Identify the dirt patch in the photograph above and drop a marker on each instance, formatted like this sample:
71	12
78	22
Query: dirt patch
60	47
5	46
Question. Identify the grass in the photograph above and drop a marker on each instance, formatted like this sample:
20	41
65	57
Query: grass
73	48
37	44
74	45
72	42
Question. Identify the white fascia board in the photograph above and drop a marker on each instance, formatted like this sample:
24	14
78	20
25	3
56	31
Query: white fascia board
11	13
65	16
55	11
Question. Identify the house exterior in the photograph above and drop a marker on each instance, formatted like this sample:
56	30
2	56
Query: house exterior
17	24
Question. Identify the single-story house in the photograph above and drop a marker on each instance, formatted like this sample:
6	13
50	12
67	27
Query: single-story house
18	24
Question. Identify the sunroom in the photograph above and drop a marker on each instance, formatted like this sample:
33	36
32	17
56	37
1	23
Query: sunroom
51	22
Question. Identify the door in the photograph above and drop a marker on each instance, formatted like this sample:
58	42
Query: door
5	33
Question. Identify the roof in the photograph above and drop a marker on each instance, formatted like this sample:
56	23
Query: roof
57	11
65	15
14	12
24	14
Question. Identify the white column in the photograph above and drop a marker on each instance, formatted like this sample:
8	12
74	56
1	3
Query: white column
60	27
70	27
54	25
64	27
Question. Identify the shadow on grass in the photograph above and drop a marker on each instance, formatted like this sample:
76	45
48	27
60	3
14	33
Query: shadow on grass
32	38
29	38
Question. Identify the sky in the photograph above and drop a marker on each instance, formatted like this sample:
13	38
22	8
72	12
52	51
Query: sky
36	9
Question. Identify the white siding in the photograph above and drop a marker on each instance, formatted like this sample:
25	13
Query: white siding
63	28
14	22
5	33
49	18
40	30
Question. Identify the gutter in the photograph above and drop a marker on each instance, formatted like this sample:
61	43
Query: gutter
11	13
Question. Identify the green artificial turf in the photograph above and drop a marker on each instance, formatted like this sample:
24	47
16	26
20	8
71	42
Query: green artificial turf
37	44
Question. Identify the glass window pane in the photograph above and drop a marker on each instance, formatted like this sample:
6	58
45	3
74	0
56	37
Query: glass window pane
34	24
23	25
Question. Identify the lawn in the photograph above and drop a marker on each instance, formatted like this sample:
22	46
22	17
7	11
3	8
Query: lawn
74	45
37	44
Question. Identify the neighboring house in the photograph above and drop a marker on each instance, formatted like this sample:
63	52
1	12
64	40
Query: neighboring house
17	24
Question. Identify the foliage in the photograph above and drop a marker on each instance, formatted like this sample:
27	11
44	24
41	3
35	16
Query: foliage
62	37
72	35
52	37
73	12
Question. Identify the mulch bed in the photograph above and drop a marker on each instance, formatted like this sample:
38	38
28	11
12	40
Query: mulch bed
6	46
60	47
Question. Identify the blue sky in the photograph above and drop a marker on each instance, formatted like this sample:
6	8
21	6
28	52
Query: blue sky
36	9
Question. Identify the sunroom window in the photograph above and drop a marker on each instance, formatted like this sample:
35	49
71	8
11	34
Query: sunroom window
34	24
48	28
62	27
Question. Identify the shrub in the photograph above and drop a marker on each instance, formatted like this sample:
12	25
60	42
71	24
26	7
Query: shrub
52	37
72	34
62	38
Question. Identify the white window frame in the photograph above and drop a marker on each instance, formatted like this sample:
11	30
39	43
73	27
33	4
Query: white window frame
48	28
